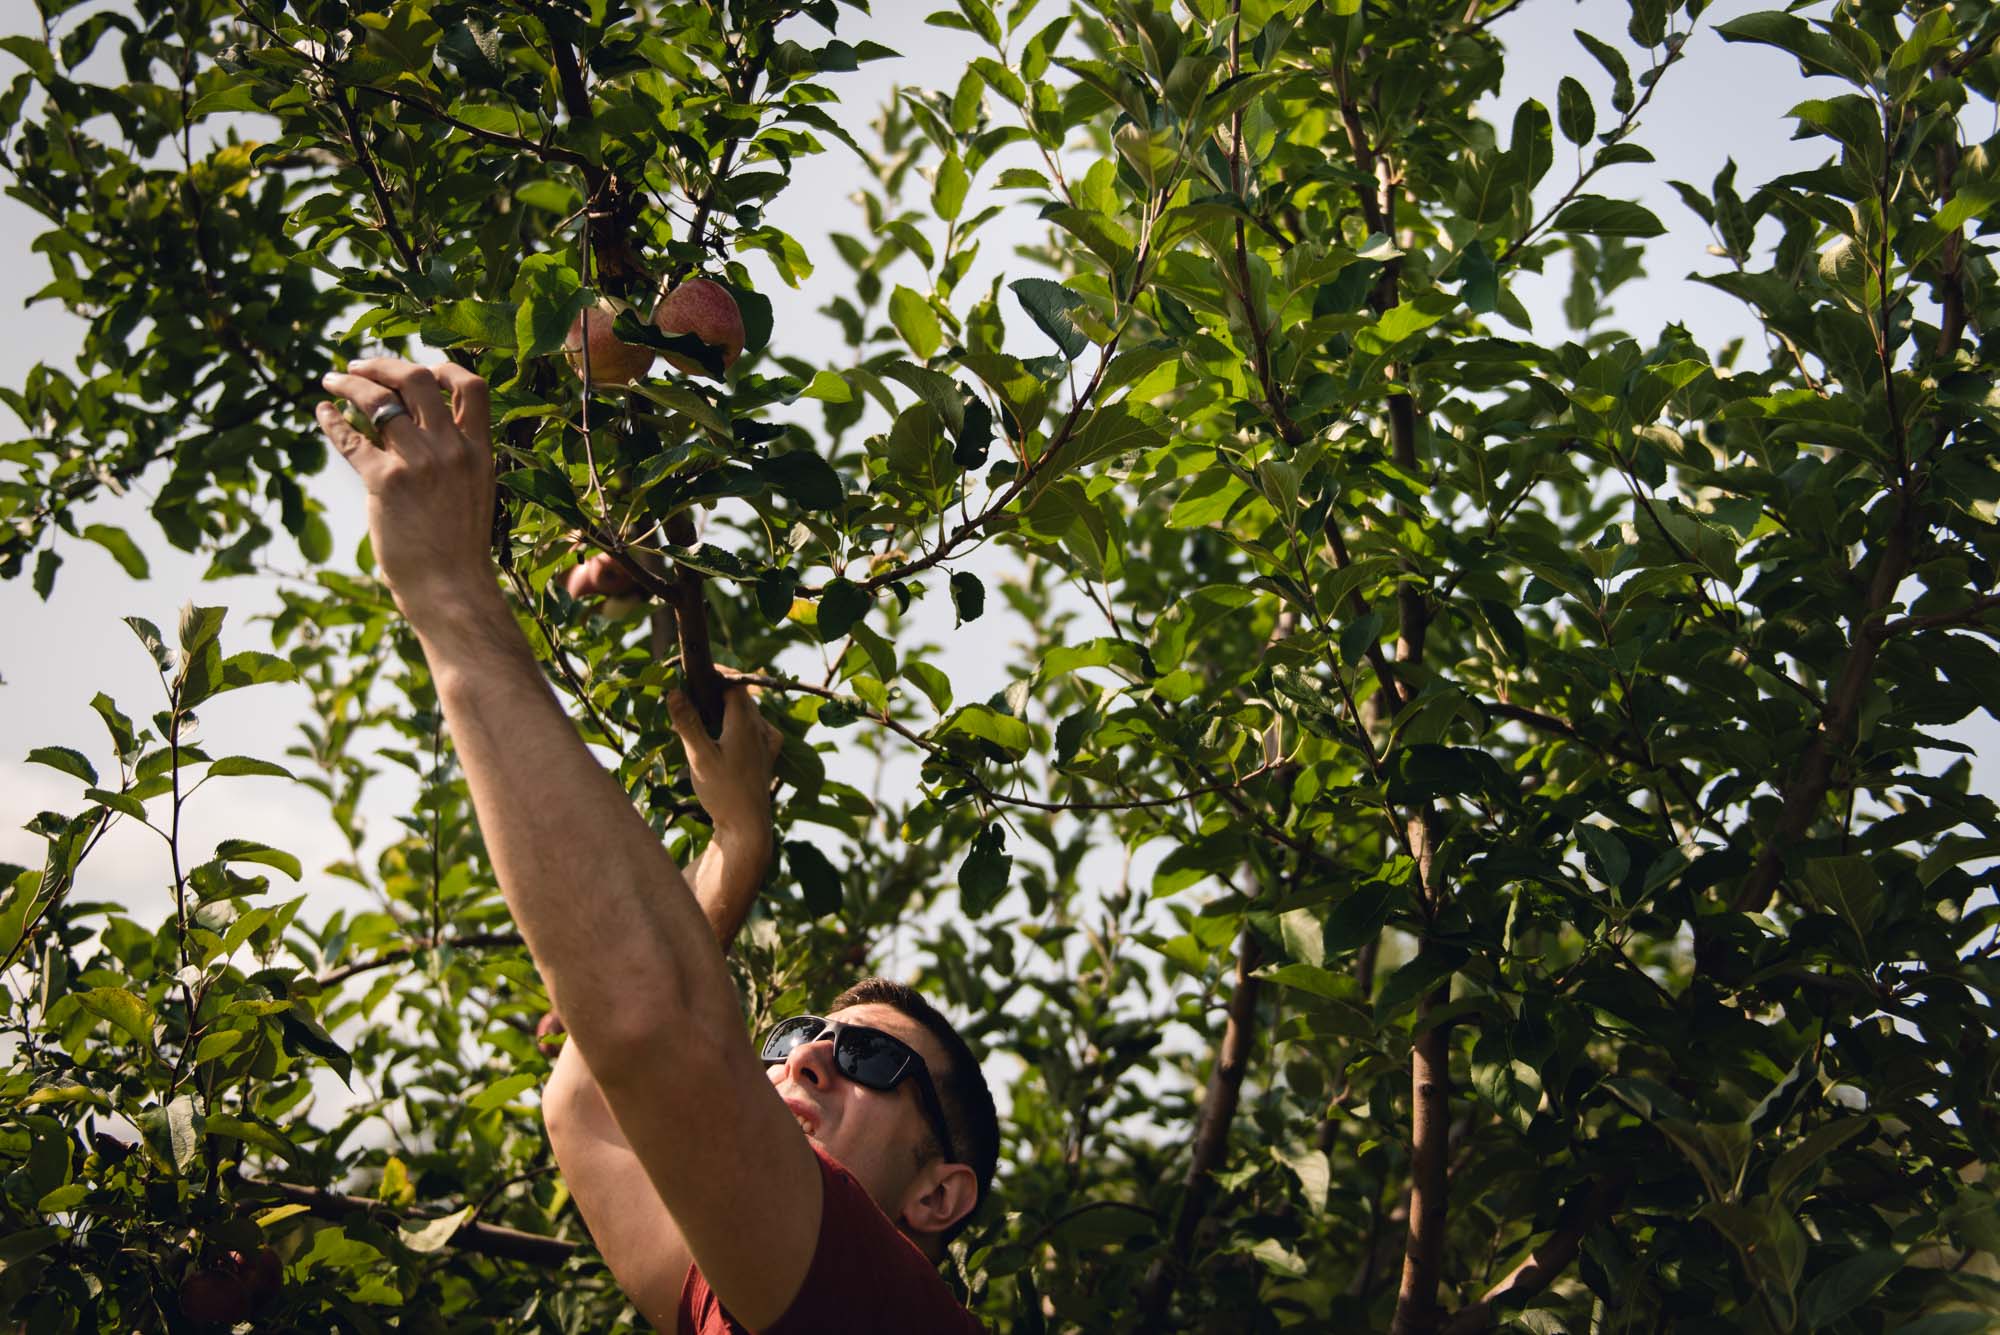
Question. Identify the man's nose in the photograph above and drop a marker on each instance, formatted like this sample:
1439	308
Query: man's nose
812	1062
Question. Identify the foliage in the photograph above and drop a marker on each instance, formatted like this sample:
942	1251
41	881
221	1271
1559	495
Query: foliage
1556	894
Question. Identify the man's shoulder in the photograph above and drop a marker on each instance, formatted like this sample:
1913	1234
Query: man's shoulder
866	1275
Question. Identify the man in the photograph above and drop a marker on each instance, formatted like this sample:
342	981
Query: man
805	1186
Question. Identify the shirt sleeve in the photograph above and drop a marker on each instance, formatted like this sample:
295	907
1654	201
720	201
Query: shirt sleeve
866	1278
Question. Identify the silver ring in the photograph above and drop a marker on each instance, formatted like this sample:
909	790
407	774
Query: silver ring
393	408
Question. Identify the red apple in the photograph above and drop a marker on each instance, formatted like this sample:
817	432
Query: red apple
261	1272
612	360
215	1295
705	309
599	577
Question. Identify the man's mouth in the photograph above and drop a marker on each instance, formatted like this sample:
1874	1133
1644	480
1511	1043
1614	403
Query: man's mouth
807	1115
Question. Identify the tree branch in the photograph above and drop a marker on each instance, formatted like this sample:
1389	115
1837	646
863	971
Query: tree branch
1211	1136
1806	789
397	954
503	1244
1525	1281
1430	1147
1963	616
384	206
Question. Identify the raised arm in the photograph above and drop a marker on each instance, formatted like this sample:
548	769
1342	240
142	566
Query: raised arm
603	909
631	1226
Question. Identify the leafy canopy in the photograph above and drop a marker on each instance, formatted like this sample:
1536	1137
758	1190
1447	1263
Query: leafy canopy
1565	920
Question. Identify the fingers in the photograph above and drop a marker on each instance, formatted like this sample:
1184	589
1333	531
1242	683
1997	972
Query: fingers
364	454
416	385
366	395
687	723
470	406
739	710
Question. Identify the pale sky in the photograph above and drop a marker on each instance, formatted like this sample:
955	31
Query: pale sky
1723	100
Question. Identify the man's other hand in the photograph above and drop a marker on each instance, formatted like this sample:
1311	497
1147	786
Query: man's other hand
429	475
732	774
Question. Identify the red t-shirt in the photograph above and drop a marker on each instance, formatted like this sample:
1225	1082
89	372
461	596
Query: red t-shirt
866	1278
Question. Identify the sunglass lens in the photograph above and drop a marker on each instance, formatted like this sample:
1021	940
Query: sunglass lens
790	1034
870	1058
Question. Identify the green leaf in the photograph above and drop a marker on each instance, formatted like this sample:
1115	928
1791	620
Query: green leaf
230	766
1207	500
126	1010
1481	279
253	668
249	850
982	876
1049	305
1304	937
68	761
841	604
474	324
119	543
149	635
1404	321
948	193
1106	237
1614	64
502	1090
1825	1140
434	1235
1845	1288
302	1030
1948	1323
818	880
804	478
1594	215
828	388
1816	52
1604	852
1574	114
968	596
915	321
62	1198
1309	978
1111	431
935	685
254	1133
1003	730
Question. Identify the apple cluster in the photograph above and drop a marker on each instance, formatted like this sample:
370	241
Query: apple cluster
700	306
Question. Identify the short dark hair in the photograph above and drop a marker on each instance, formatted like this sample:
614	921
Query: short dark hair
968	1103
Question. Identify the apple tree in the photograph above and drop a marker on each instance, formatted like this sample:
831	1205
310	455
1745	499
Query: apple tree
1474	835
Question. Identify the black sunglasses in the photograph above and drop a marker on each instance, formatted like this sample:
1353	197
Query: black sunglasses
866	1056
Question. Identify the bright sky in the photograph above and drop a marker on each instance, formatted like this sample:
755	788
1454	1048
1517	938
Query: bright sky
1723	100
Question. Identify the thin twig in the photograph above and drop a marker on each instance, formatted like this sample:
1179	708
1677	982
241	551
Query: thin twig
397	954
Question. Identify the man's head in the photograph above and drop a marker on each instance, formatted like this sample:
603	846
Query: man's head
886	1138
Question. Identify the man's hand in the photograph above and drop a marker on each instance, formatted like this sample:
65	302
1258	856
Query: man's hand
732	774
429	479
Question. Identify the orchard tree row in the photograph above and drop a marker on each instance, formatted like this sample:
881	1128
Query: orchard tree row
1572	907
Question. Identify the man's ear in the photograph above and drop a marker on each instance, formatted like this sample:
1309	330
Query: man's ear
942	1194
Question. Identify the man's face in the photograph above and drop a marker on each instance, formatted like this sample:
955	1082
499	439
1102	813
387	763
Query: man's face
880	1136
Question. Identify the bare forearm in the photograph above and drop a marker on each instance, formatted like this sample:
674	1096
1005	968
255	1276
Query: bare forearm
596	897
727	876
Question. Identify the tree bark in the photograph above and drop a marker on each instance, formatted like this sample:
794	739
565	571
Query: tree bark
1806	790
1430	1145
1211	1137
1521	1284
504	1244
